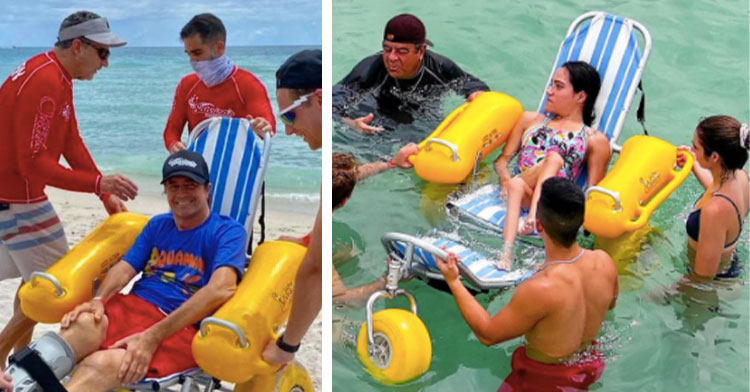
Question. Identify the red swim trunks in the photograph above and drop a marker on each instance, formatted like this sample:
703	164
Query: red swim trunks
130	314
533	376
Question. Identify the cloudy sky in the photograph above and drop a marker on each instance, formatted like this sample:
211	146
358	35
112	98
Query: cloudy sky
158	22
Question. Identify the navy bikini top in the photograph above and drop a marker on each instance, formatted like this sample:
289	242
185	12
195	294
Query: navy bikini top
693	223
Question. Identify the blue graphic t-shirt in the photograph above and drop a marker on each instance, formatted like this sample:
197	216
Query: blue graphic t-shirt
176	263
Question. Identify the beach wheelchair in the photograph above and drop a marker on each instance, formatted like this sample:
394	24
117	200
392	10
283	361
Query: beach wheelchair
617	209
229	344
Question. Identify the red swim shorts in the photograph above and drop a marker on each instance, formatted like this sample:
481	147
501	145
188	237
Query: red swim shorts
533	376
130	314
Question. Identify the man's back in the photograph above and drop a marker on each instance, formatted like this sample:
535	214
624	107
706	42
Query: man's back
574	298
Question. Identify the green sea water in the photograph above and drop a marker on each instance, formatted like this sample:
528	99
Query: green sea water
699	66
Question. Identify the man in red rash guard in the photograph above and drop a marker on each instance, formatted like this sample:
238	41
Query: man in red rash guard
38	126
217	88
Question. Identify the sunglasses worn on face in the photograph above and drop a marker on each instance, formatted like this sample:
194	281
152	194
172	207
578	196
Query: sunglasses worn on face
102	52
287	115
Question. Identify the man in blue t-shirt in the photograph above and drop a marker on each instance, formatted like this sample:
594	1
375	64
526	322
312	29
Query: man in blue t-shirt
191	260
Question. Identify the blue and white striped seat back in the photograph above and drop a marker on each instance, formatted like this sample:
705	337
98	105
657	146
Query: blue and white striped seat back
608	43
236	163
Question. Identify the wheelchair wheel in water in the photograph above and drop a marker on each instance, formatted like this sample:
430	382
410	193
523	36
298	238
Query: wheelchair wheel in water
402	350
294	378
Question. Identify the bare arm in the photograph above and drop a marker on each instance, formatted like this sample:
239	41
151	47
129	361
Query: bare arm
355	296
117	278
597	157
307	288
519	316
370	169
401	160
512	146
205	301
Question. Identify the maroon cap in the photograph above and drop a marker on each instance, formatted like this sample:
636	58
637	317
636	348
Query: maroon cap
405	28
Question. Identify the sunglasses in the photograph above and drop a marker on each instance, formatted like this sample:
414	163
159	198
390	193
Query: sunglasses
287	115
102	52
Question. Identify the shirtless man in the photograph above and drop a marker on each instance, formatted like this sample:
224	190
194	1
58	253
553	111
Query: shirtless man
559	310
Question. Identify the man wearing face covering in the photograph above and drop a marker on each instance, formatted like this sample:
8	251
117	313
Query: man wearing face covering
218	87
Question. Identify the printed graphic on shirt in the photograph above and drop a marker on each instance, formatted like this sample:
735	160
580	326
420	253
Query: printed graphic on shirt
18	72
65	112
208	109
179	267
41	124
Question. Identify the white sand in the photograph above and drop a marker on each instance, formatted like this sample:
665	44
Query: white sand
82	212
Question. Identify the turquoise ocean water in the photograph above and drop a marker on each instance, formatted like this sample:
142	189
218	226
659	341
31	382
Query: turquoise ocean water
122	113
699	66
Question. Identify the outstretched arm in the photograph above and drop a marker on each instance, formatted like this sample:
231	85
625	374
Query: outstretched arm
525	309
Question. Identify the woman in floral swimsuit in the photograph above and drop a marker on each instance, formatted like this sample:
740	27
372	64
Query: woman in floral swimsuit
559	145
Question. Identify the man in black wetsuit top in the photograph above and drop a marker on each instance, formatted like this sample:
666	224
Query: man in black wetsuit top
402	78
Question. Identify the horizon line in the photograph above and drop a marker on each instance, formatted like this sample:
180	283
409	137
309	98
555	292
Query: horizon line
161	47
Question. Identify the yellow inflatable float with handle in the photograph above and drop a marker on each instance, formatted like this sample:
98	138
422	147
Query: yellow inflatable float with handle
73	279
644	175
229	344
470	133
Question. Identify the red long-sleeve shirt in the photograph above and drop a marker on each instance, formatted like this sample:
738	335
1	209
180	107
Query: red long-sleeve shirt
240	95
37	125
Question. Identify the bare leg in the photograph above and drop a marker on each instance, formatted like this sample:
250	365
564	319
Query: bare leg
517	192
549	167
17	333
85	335
97	372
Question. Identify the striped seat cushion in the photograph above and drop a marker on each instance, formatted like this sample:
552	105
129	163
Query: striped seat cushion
486	207
480	267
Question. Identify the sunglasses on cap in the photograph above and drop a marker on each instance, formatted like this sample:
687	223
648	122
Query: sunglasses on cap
102	52
287	115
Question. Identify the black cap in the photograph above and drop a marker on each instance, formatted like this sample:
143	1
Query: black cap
406	28
301	70
188	164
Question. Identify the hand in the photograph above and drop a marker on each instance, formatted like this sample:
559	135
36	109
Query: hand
261	126
119	186
402	156
95	307
681	151
177	146
529	225
139	349
361	123
6	383
473	95
449	267
276	356
114	205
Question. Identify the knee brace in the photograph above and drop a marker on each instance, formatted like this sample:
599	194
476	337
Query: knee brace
39	366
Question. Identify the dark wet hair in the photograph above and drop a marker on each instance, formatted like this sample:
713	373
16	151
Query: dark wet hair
72	20
208	26
344	172
721	134
560	210
584	77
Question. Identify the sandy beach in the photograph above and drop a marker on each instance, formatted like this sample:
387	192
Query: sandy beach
80	213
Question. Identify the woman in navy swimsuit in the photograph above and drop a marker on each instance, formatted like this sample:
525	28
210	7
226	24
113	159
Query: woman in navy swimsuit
720	146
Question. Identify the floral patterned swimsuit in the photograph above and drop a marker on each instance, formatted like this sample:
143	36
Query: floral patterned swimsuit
540	141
